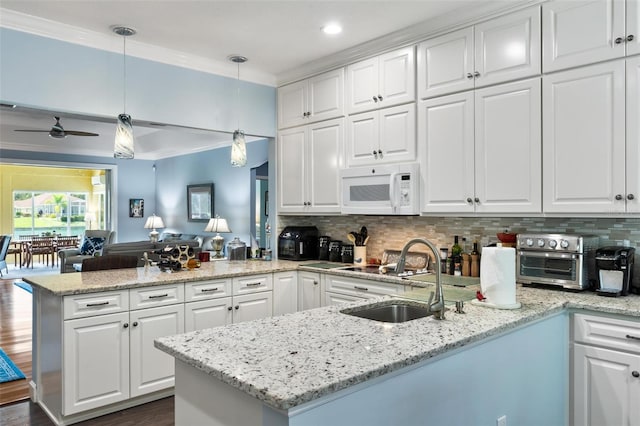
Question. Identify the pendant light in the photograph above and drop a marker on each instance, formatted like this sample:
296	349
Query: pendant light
238	147
124	141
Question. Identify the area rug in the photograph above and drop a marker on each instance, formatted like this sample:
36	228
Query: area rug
8	370
23	285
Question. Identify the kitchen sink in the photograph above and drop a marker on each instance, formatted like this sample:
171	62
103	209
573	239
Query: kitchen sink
394	311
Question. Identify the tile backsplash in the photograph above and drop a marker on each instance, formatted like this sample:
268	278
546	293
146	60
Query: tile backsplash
392	232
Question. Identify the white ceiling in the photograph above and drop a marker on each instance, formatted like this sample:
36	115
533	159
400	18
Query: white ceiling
282	39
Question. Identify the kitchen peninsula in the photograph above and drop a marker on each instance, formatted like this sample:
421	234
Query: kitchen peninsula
318	366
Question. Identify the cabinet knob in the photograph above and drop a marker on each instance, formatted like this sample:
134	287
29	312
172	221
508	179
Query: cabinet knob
476	74
135	323
630	197
477	200
375	154
469	75
375	99
618	197
125	325
380	153
630	37
380	98
237	307
469	200
315	282
230	308
635	373
619	40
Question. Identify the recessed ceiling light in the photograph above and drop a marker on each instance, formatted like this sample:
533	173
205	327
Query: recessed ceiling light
332	28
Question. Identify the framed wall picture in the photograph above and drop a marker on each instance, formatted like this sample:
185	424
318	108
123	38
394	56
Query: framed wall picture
136	207
200	202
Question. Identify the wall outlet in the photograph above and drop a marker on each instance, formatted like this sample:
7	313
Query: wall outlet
502	421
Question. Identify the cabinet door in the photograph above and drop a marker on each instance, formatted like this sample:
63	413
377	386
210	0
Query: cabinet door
285	293
310	292
445	135
249	307
292	104
291	170
363	139
207	314
96	362
152	369
633	135
397	78
397	134
633	27
326	95
362	86
584	139
324	160
445	64
508	161
604	390
508	48
581	32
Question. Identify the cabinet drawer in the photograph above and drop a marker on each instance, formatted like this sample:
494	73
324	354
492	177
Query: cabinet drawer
360	288
252	284
86	305
148	297
607	332
210	289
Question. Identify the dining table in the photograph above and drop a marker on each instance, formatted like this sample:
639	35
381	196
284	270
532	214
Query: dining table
44	246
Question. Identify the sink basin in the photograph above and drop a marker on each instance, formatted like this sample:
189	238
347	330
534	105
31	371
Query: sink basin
394	311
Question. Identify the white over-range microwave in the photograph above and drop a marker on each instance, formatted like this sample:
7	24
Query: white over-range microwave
385	189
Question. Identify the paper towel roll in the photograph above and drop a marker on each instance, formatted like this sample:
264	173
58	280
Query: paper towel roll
498	275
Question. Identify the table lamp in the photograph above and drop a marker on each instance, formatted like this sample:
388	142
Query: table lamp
217	224
152	223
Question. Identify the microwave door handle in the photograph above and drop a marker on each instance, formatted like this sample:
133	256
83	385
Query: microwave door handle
392	191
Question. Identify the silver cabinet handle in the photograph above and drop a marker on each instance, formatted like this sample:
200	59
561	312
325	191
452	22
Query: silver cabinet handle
630	197
158	296
253	284
360	288
205	290
629	336
97	304
619	40
476	74
618	197
630	37
469	75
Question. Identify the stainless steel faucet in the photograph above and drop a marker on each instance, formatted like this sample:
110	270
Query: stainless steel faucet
437	307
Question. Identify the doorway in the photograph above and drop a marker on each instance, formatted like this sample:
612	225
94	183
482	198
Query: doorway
259	203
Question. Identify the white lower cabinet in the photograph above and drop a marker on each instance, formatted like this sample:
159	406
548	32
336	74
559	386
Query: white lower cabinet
606	371
309	290
339	289
285	292
207	314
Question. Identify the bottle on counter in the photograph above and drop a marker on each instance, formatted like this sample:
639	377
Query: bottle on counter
456	257
475	260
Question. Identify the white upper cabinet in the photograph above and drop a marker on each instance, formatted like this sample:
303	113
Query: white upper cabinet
315	99
380	82
502	49
633	135
584	140
384	136
480	151
583	32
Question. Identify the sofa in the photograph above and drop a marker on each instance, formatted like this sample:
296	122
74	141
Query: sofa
68	257
138	248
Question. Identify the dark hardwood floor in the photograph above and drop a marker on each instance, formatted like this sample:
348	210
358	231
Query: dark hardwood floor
15	339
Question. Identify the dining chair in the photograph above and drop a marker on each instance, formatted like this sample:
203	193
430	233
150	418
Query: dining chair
4	248
110	261
42	246
15	248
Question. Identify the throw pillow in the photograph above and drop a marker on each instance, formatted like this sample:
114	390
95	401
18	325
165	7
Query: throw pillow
91	245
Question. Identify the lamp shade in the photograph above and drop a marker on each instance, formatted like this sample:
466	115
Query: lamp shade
238	150
124	138
154	222
217	224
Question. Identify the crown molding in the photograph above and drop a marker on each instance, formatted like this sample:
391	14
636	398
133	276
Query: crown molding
108	41
408	36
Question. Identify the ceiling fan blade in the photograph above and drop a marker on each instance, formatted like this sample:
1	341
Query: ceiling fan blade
79	133
34	131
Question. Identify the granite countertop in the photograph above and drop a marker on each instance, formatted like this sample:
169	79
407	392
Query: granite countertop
119	279
288	360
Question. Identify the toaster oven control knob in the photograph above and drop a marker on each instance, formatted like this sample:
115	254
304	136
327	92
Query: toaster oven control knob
553	243
529	242
564	244
540	242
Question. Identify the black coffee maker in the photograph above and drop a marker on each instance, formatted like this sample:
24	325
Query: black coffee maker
615	270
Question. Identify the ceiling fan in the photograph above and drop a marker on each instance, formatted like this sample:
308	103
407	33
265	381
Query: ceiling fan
58	132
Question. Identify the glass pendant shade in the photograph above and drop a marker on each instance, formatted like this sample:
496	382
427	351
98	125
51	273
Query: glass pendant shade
124	138
238	150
